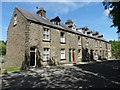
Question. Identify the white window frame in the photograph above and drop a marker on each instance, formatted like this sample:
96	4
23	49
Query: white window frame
46	34
15	20
46	54
62	38
62	54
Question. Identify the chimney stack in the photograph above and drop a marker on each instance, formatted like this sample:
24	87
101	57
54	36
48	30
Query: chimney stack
41	12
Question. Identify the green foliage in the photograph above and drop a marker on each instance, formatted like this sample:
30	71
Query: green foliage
114	13
115	49
2	48
13	68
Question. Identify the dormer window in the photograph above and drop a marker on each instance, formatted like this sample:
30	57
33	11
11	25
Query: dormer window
15	20
56	20
57	23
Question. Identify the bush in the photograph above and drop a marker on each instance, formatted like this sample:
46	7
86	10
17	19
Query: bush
2	48
115	49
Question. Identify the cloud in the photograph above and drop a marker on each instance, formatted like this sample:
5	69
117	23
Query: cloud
66	7
59	8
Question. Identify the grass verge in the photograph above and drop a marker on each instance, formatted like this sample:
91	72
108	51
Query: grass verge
13	68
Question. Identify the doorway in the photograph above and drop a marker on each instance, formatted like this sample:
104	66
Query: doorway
32	56
72	55
91	55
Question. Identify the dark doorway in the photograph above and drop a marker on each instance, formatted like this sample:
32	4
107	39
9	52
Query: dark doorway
32	56
91	55
87	55
100	55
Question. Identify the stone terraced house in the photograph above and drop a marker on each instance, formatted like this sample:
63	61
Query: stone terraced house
35	40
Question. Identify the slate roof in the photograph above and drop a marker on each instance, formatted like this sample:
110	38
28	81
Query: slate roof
39	19
34	17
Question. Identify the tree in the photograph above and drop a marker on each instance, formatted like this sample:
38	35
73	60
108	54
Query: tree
115	49
114	13
2	48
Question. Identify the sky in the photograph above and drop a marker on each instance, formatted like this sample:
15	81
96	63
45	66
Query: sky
90	14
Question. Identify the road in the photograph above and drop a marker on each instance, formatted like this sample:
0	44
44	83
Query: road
93	75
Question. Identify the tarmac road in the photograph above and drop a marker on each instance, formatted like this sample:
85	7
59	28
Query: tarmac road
93	75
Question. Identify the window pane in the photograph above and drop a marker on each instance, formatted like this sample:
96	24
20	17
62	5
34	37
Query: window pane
62	37
46	53
43	36
62	53
46	34
15	19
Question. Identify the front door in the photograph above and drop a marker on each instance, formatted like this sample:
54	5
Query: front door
91	55
32	56
73	55
70	55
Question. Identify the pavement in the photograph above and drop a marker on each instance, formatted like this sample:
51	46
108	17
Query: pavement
88	75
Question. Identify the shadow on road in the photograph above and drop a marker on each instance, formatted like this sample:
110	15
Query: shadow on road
107	73
95	75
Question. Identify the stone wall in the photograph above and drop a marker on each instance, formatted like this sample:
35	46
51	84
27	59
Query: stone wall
36	39
16	41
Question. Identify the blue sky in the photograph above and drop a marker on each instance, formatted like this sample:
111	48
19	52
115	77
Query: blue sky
91	14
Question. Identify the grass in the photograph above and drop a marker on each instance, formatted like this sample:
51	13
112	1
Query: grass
13	68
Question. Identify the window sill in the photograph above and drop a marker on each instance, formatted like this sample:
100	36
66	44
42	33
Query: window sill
79	45
63	42
62	59
14	25
46	40
44	60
